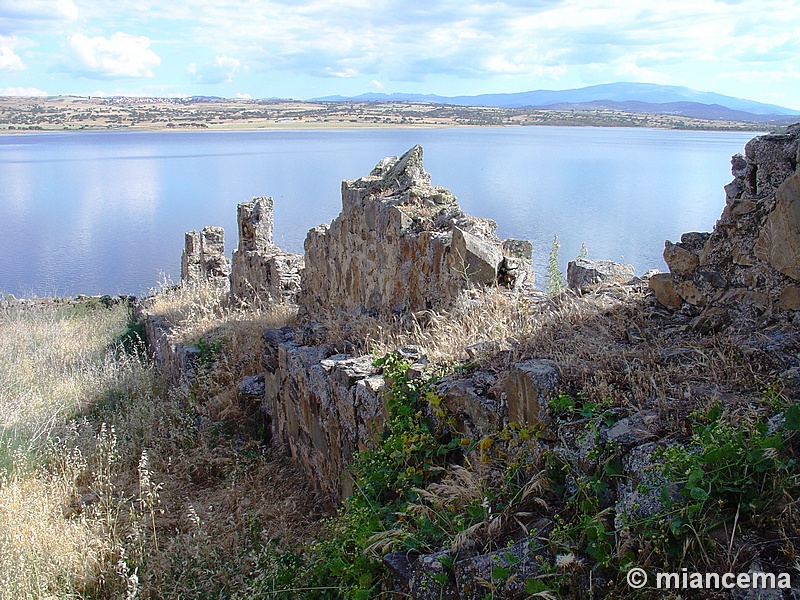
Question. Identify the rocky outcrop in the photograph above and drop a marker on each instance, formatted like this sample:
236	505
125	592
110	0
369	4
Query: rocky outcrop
401	244
262	273
204	257
749	265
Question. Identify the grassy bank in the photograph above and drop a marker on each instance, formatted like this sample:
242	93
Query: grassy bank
111	485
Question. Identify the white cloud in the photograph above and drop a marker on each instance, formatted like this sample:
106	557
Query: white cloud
122	55
480	45
241	96
9	61
221	70
17	91
38	9
345	73
772	76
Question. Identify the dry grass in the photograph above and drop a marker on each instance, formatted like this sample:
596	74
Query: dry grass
493	315
56	361
110	486
614	344
204	311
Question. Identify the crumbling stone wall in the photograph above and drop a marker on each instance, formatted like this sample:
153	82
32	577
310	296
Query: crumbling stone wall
204	257
749	264
323	406
262	272
402	244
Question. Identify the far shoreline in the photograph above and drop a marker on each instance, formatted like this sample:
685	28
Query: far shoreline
66	114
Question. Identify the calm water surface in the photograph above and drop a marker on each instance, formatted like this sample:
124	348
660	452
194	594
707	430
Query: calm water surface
105	212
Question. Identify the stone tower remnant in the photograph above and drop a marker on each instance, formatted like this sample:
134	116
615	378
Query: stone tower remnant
402	244
262	272
204	257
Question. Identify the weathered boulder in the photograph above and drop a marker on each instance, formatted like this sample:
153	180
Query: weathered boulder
680	260
529	387
477	574
779	240
790	298
583	273
475	412
664	288
635	429
478	259
251	388
429	578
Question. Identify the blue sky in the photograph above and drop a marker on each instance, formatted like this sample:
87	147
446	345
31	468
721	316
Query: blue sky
307	48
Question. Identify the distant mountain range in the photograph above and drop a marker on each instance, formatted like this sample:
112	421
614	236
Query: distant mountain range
640	98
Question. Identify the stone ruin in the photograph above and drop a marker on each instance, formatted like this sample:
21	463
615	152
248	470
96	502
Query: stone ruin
401	244
262	272
204	258
749	265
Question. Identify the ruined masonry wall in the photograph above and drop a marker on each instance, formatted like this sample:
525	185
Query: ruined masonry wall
401	244
749	265
324	406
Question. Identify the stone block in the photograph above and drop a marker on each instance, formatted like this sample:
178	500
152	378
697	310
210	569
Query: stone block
583	273
519	560
779	240
689	291
712	320
475	258
680	261
790	298
529	387
517	248
476	414
635	429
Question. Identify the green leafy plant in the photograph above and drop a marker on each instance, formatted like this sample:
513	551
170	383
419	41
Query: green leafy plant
726	473
208	351
410	454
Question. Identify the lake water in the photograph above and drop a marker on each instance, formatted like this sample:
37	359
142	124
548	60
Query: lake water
105	212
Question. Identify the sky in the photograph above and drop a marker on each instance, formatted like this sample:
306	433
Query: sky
309	48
